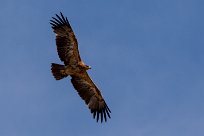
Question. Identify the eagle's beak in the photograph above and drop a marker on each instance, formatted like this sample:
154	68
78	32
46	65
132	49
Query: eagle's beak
88	67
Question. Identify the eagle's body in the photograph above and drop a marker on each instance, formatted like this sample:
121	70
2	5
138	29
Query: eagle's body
67	48
78	69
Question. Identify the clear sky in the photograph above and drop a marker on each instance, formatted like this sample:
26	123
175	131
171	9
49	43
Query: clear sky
147	57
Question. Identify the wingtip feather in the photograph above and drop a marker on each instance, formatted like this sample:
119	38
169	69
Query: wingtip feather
101	114
58	21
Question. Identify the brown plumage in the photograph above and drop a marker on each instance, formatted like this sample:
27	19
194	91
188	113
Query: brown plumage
67	48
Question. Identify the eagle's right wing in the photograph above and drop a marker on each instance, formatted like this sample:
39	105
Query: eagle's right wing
92	96
67	46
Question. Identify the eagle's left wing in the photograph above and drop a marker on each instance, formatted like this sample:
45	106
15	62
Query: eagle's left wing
92	96
67	45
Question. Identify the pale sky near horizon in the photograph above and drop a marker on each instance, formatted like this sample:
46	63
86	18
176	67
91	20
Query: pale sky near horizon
147	57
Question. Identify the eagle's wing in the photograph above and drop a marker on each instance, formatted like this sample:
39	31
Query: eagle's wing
67	46
92	96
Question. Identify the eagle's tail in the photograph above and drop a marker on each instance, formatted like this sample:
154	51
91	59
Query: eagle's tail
58	71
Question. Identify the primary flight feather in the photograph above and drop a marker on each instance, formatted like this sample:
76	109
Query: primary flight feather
67	48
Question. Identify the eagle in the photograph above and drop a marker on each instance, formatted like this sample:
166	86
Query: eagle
67	48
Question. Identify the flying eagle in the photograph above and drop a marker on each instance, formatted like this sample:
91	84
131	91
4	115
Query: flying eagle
67	48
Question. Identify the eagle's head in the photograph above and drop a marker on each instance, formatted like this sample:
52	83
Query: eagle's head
88	67
84	66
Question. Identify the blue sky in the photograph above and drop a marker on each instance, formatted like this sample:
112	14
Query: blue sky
146	56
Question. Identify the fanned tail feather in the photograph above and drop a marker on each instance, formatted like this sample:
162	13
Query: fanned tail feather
58	71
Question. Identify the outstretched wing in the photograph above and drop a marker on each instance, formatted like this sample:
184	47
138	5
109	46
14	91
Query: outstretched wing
67	46
92	96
